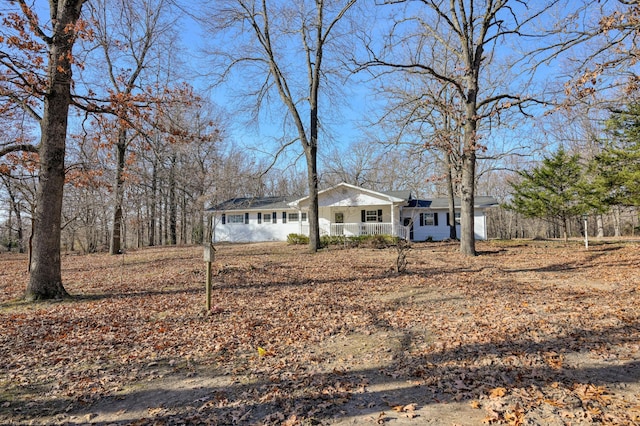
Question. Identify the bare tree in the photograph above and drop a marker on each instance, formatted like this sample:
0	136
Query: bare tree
127	32
45	94
470	31
287	49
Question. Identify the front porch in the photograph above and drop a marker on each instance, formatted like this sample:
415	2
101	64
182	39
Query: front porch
357	229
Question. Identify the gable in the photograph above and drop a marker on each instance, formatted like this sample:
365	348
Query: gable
346	195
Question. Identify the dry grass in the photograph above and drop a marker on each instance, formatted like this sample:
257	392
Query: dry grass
533	332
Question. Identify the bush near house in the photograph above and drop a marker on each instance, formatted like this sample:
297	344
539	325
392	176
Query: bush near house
370	241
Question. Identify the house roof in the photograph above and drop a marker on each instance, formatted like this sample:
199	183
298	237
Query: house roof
253	203
443	203
284	203
405	195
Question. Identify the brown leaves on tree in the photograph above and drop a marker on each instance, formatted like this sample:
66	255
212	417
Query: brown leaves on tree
529	334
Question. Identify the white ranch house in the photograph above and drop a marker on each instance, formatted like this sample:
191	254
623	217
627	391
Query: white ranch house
343	210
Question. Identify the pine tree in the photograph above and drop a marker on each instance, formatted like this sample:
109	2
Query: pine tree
554	191
617	167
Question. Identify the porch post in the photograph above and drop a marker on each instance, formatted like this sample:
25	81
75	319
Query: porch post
393	221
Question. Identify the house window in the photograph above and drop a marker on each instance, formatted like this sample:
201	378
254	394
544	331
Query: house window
371	216
294	217
235	218
304	217
259	218
457	218
428	219
267	217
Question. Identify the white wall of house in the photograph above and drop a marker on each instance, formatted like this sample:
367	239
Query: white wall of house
254	231
278	231
441	230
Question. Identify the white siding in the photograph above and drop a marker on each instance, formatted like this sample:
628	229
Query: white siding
349	199
441	231
254	231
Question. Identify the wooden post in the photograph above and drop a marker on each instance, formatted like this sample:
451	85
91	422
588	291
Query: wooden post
586	235
209	256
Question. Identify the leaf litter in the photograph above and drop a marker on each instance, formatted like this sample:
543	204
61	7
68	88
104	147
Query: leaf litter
532	333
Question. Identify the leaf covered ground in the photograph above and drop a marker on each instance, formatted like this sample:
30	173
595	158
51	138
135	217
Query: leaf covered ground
526	333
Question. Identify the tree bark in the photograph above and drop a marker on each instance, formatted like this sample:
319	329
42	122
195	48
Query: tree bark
45	281
15	207
468	181
173	203
600	226
453	233
121	152
467	190
153	204
312	175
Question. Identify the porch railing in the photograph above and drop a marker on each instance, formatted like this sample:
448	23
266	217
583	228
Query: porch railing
357	229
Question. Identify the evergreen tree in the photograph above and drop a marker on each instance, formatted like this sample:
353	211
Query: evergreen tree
617	167
555	191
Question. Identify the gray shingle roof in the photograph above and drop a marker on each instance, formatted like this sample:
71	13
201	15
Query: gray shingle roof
253	203
443	203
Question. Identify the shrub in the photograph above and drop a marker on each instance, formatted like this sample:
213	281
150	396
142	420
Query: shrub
379	241
298	239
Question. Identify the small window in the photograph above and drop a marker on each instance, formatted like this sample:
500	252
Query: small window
456	218
371	216
293	217
235	218
304	217
267	218
428	219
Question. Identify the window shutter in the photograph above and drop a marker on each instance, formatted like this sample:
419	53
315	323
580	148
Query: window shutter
421	219
224	218
259	217
274	217
246	218
380	215
284	217
435	219
448	217
363	215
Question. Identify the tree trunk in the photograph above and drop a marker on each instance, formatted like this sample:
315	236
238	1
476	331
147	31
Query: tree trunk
453	233
312	175
616	221
152	207
468	181
116	233
467	189
45	281
600	226
311	152
15	207
173	203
